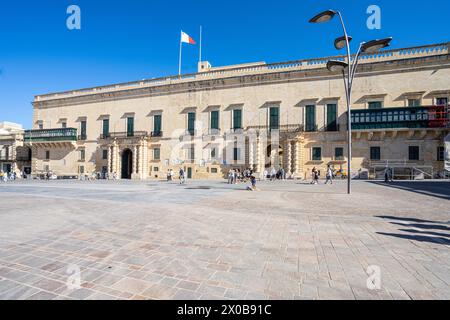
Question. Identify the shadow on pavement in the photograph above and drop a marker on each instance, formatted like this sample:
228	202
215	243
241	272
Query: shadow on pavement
437	234
407	219
438	189
423	235
420	238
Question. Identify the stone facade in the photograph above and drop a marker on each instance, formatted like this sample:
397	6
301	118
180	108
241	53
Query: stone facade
284	119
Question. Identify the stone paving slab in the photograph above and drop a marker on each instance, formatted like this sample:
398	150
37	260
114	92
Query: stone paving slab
211	240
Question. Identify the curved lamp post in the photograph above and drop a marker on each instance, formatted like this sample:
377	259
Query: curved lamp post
348	69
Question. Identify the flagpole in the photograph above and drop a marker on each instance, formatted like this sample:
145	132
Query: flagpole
200	55
179	62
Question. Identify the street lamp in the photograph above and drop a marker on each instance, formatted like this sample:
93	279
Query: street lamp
348	70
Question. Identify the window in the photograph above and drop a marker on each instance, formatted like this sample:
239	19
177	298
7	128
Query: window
237	119
236	154
82	155
156	154
339	153
213	153
413	102
104	154
274	118
310	123
157	125
41	126
331	117
81	169
191	123
375	105
47	155
413	153
440	153
441	101
83	127
156	169
191	153
105	129
213	170
46	168
130	126
375	153
63	124
214	120
316	154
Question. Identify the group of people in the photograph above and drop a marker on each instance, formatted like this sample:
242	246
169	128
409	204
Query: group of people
329	175
181	175
274	174
236	175
7	176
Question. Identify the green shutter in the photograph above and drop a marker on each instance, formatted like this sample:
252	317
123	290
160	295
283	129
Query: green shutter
310	118
105	127
130	126
215	120
157	123
274	118
191	122
237	119
331	117
83	128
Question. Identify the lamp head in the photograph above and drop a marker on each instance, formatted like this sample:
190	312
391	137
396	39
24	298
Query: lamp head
336	65
375	45
341	42
324	16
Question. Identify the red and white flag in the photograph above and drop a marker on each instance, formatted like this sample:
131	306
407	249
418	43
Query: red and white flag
185	38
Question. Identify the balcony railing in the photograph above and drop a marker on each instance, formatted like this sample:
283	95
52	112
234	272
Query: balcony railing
281	128
400	117
156	134
44	135
134	134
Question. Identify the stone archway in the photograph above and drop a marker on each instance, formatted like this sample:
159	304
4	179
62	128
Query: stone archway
274	154
127	164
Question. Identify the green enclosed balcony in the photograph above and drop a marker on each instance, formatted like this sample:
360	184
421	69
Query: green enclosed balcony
51	135
400	117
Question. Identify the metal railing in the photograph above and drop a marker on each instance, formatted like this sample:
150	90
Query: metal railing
133	134
59	134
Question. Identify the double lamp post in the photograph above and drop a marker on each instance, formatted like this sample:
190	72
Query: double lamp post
348	70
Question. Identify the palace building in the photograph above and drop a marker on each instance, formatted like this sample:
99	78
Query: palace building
258	115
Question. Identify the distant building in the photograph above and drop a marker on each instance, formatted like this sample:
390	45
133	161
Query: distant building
290	114
14	156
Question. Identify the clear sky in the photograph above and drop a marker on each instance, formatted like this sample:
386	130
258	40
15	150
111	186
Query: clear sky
129	40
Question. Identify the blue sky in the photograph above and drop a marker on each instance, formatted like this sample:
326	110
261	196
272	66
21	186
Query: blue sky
123	41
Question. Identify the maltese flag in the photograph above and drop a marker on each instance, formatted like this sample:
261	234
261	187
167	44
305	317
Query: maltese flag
185	38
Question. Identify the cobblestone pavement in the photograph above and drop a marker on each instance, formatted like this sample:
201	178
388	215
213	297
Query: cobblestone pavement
211	240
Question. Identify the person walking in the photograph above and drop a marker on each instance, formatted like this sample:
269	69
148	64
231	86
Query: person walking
329	175
273	174
182	178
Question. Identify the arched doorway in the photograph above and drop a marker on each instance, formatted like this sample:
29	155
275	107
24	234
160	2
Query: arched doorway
274	154
127	164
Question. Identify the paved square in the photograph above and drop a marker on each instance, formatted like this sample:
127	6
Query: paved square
211	240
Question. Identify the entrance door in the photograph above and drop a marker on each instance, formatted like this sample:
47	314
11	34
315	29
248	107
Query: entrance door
127	164
7	167
189	173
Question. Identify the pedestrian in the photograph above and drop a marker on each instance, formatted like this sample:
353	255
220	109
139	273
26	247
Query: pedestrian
313	175
386	175
266	173
182	178
273	174
329	175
